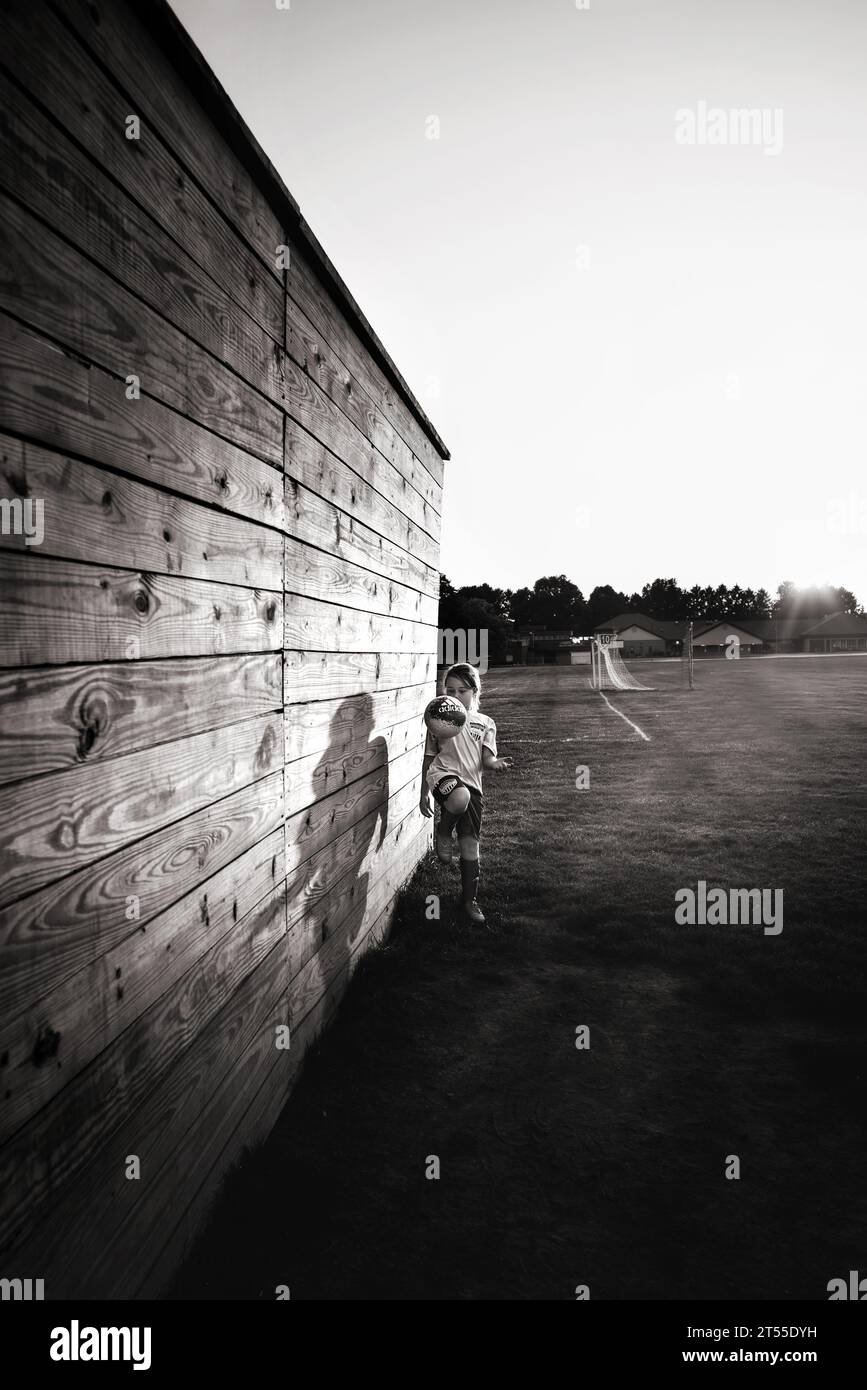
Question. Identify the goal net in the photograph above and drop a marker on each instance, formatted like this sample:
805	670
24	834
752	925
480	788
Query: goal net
608	669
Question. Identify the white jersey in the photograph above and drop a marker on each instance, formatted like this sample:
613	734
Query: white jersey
462	754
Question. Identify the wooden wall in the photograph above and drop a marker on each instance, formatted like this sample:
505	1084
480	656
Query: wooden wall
212	668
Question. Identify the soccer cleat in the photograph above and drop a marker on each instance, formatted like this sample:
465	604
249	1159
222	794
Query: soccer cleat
474	912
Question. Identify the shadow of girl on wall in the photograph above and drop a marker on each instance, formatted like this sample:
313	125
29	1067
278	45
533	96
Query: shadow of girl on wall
327	901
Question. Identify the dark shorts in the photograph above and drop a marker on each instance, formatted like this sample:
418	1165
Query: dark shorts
470	823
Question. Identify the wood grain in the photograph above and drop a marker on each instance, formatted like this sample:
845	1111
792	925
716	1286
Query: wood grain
310	778
42	168
342	726
55	824
88	1011
331	884
77	1242
312	573
313	519
58	612
61	928
308	347
329	627
53	718
324	675
371	490
356	902
55	398
55	289
310	827
321	310
120	39
45	1154
57	70
89	511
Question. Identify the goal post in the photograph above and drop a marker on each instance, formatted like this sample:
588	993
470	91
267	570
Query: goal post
687	669
608	669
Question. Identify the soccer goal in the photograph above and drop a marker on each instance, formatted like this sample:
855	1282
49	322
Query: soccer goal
608	669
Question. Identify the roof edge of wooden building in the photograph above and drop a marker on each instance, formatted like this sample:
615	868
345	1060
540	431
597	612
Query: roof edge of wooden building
206	87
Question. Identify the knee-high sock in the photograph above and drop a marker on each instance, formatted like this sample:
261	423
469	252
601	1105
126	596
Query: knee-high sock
469	879
447	821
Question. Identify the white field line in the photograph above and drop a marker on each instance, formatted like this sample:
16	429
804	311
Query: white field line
645	736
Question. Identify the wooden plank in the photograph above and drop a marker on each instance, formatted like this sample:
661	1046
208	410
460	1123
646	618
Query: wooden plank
52	718
57	399
258	1120
88	1011
357	902
59	612
323	891
378	496
45	170
116	33
316	521
89	512
317	574
37	1162
98	1240
342	726
310	827
55	289
310	407
324	675
75	1238
305	287
231	1113
57	823
309	778
56	69
239	1118
309	349
61	928
42	168
314	626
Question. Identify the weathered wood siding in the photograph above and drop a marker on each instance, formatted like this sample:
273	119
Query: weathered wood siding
212	667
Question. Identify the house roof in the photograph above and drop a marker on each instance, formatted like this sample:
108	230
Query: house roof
733	624
840	625
666	631
766	629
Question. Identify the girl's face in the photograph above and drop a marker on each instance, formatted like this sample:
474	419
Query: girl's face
456	686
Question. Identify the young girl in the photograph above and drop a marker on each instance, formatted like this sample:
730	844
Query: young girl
452	770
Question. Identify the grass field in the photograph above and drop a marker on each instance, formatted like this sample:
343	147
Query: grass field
605	1166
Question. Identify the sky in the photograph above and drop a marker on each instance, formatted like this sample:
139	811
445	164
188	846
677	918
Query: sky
636	320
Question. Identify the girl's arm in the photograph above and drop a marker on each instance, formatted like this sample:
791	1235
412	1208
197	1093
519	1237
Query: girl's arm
424	795
491	763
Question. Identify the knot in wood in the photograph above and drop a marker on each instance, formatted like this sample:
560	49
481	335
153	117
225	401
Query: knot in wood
46	1045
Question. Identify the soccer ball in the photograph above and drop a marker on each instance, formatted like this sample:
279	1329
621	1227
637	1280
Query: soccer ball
445	717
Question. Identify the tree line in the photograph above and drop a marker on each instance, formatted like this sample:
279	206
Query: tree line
555	602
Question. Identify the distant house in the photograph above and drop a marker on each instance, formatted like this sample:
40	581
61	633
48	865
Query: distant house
712	639
644	636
